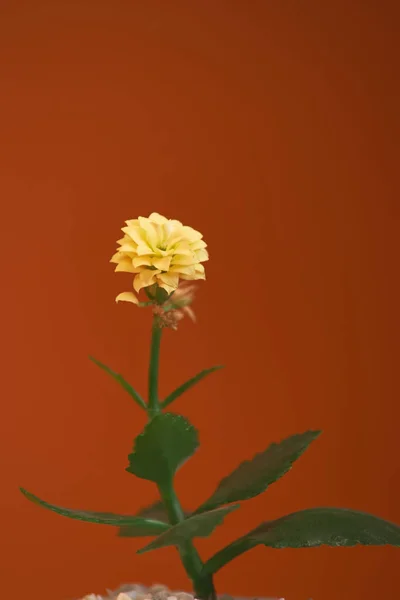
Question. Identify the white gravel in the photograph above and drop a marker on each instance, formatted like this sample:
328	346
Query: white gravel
136	591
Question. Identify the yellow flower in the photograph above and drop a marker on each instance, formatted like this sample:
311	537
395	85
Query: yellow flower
159	251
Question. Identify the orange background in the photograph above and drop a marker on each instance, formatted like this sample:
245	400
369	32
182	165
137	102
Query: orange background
272	128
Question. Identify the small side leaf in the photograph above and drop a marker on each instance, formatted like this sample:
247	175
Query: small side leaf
253	477
167	441
127	386
142	525
155	511
196	526
310	528
188	384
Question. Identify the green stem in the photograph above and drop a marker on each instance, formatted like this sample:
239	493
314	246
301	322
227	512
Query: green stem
154	403
172	504
221	558
202	583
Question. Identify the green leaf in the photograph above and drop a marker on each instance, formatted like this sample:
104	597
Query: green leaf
127	387
155	511
327	526
167	441
197	526
310	528
142	525
253	477
188	384
158	511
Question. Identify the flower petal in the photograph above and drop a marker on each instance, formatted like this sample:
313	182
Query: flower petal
173	238
125	265
162	263
168	288
199	244
124	240
171	280
183	247
201	255
185	270
191	234
143	248
116	257
144	279
183	259
127	247
127	297
198	274
132	222
141	261
133	235
157	218
150	231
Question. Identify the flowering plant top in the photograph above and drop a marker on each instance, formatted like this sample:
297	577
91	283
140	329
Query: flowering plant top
164	256
159	251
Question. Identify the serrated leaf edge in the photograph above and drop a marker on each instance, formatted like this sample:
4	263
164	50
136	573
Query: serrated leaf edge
207	506
142	436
